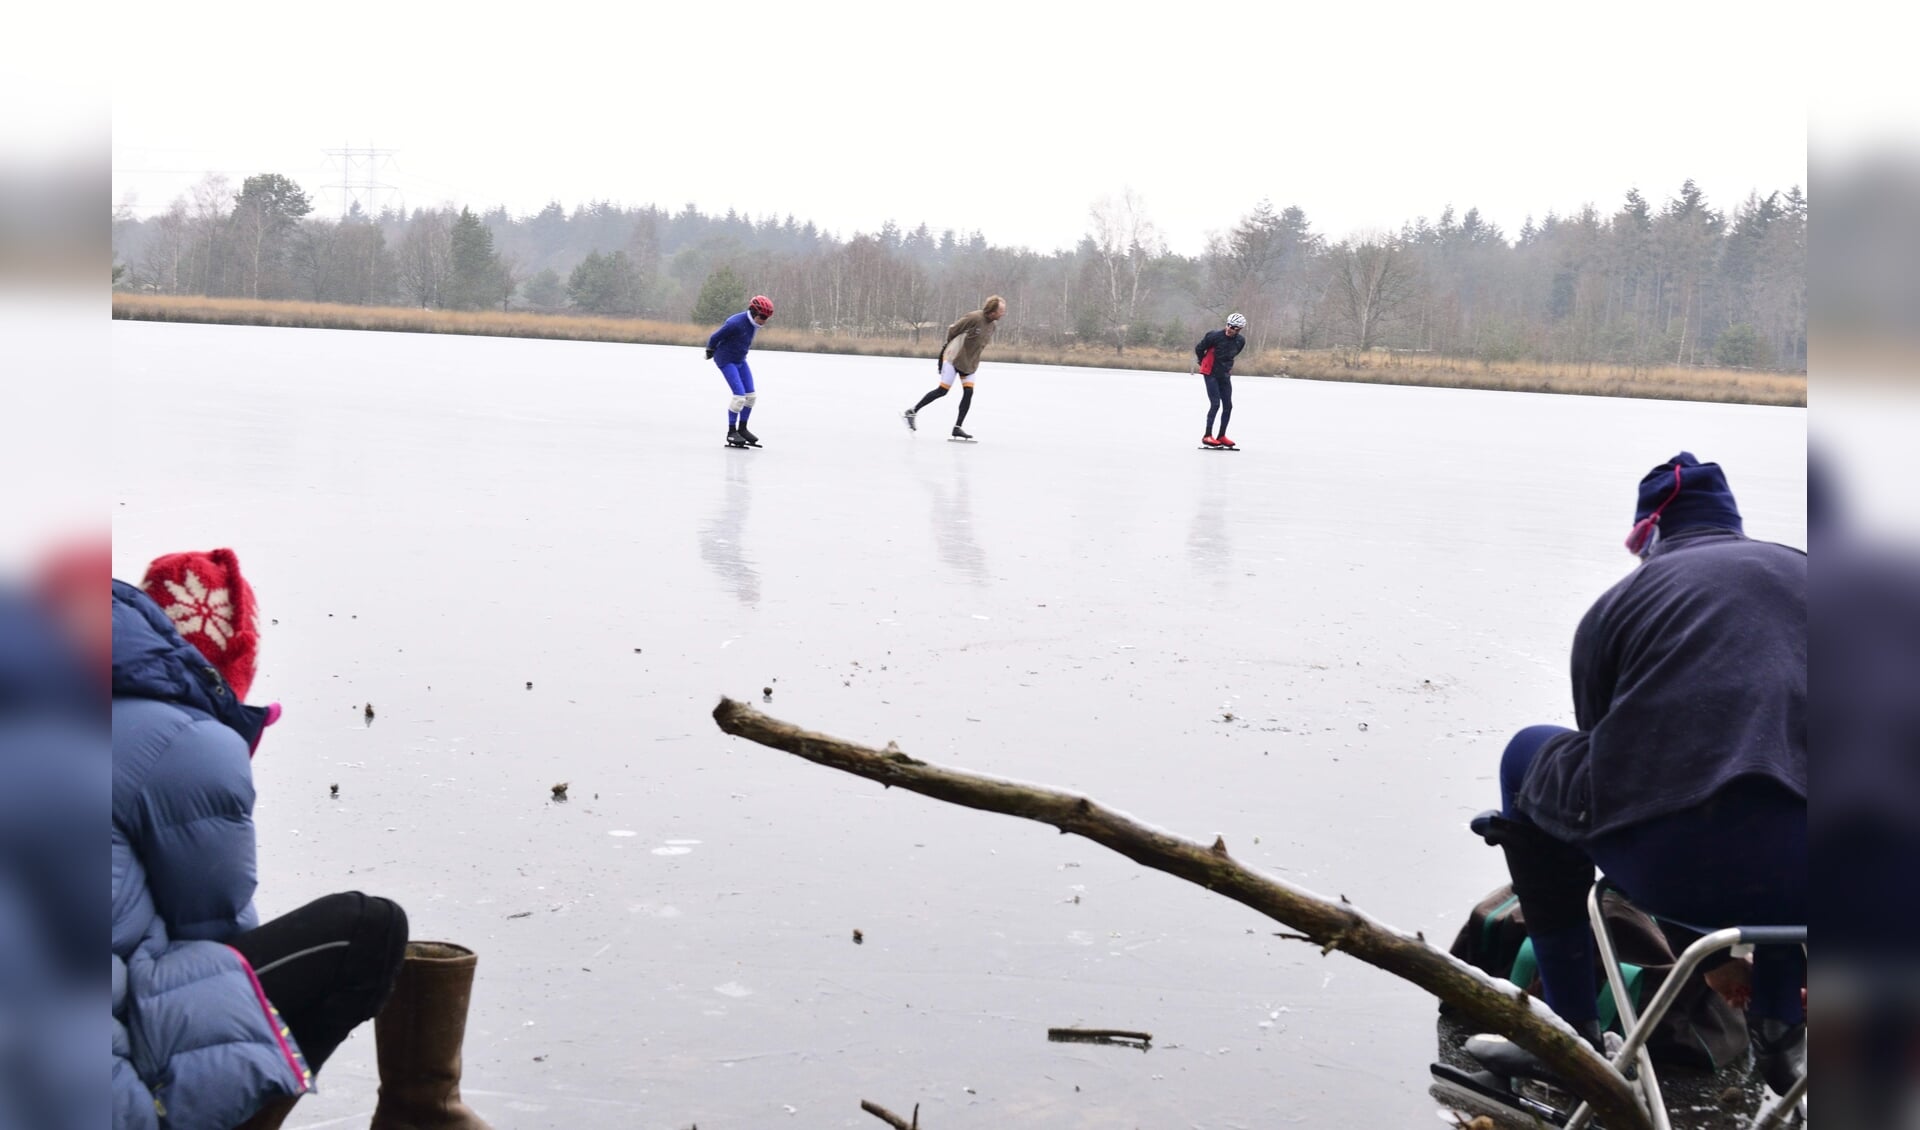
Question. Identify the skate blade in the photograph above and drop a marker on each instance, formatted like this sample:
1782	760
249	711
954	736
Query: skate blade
957	439
1483	1088
1204	447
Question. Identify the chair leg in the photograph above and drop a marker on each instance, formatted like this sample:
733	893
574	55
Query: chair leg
1637	1027
1630	1019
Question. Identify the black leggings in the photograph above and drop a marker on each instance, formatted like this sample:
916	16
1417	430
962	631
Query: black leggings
328	966
1219	399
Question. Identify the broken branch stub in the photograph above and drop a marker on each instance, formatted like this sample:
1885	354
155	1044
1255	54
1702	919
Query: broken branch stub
1486	1004
890	1118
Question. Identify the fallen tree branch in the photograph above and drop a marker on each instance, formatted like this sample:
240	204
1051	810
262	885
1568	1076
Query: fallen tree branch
890	1118
1486	1004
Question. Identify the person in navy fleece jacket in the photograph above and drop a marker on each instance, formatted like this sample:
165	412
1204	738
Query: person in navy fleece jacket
1685	780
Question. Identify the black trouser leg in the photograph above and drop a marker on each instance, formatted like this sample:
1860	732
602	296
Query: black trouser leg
1551	880
1213	402
328	966
1226	403
966	402
936	394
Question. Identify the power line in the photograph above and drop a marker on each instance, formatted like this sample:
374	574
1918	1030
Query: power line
360	181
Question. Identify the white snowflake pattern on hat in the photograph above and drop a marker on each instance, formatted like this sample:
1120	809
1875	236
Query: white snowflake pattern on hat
197	611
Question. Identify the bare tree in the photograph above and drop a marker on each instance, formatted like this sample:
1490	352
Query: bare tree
1307	295
913	297
125	225
1241	270
643	248
253	226
207	226
507	274
426	258
1373	284
316	257
1124	242
168	247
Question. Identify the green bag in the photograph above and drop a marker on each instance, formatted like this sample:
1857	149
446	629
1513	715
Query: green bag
1701	1030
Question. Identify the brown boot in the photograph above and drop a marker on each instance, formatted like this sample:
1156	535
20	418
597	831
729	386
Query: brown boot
270	1117
417	1041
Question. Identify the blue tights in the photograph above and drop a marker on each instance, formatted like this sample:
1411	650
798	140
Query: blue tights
740	380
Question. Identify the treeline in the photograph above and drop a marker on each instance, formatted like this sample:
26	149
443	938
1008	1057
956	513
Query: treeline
1684	282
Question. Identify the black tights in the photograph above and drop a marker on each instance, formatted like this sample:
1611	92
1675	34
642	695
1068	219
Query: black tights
966	401
1219	399
328	966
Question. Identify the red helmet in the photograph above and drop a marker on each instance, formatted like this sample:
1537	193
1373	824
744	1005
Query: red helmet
761	306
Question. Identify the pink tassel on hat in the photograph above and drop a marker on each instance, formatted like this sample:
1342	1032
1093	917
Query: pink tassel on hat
1642	532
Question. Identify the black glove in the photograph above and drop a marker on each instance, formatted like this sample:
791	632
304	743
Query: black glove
709	354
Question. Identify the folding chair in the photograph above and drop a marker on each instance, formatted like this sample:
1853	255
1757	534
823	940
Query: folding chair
1639	1026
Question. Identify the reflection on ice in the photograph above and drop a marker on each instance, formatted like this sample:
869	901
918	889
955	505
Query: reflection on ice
720	539
952	515
1209	540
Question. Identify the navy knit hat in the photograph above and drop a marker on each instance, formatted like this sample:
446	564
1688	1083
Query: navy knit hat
1679	494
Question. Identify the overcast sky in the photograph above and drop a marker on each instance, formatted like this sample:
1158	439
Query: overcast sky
1008	118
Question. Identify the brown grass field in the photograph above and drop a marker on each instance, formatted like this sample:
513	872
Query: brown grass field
1668	382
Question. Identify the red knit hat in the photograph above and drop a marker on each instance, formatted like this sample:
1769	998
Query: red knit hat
211	605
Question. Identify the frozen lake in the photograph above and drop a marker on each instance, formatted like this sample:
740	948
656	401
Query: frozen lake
1378	588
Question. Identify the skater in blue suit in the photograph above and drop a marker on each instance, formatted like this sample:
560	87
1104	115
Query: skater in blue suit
727	348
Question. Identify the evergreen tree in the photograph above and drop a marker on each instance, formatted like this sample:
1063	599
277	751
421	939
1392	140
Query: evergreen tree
1741	347
544	291
721	297
266	211
473	281
275	195
605	284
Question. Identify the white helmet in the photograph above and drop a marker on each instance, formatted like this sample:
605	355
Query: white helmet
1237	321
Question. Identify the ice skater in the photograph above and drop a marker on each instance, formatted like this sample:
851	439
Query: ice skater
1215	353
960	359
727	348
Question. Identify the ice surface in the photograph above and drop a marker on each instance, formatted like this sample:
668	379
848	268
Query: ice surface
1378	589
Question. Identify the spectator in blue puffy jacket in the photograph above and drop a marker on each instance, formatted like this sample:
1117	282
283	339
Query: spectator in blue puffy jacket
197	1037
220	1022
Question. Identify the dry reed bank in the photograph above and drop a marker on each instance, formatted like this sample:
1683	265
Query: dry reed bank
1671	382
